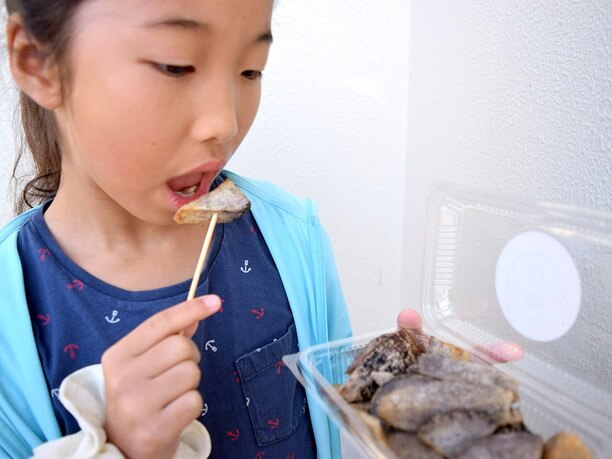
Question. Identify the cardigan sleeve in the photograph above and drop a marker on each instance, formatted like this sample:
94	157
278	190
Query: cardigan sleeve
26	413
338	321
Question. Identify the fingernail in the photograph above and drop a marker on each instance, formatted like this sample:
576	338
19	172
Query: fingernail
211	302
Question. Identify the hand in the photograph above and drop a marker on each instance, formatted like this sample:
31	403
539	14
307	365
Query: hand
503	351
151	379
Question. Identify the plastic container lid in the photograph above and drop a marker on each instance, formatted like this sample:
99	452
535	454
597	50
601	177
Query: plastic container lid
535	274
499	269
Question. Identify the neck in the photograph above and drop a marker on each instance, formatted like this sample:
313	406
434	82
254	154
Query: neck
118	248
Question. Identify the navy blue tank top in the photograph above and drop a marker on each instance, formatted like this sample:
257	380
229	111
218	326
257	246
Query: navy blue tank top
253	406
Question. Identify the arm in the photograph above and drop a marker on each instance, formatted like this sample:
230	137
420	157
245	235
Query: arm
339	325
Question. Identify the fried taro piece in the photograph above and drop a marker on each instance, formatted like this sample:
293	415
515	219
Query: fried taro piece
362	406
406	445
393	353
227	201
374	425
408	402
451	433
442	367
565	445
437	346
517	445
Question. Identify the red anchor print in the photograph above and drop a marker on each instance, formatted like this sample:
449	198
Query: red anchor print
44	319
279	366
273	423
233	436
76	284
222	303
235	373
43	254
260	455
71	348
258	313
290	456
252	229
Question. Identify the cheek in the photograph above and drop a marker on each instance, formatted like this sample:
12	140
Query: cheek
248	111
123	127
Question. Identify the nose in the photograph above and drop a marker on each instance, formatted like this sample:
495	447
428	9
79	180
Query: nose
217	118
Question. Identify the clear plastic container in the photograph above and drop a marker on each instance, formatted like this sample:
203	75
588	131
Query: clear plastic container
500	269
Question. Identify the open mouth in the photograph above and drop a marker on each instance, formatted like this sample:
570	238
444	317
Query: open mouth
189	187
189	191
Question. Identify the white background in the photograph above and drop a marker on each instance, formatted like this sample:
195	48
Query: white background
368	105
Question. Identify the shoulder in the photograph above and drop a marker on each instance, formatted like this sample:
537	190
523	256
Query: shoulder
12	228
274	199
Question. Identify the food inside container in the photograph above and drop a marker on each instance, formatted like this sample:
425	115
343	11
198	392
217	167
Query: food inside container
433	401
496	270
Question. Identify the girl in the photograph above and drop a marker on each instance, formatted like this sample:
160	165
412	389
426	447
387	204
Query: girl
130	109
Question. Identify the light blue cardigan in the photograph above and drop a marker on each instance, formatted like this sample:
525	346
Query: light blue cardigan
302	253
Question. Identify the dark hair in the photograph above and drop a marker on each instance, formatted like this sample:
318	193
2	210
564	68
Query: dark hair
48	22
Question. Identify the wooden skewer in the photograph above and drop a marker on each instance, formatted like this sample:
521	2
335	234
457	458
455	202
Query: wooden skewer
202	259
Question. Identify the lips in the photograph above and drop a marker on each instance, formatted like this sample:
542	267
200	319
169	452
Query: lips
192	185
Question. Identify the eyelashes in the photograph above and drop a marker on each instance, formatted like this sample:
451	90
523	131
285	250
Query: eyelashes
252	75
178	71
175	71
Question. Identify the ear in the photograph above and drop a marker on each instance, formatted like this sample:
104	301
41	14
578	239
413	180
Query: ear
33	68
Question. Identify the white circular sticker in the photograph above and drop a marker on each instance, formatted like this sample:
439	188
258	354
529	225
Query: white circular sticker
538	286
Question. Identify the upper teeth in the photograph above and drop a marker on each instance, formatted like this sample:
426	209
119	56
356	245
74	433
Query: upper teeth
186	192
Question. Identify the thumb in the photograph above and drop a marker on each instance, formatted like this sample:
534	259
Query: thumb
409	318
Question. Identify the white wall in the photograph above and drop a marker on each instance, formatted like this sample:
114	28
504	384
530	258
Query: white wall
332	127
513	96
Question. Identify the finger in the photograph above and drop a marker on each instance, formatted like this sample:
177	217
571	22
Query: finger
168	353
169	322
191	330
409	318
181	411
503	351
177	381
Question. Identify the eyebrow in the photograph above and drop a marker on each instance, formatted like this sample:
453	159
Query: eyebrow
190	24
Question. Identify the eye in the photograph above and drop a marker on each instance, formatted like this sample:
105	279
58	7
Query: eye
252	74
175	71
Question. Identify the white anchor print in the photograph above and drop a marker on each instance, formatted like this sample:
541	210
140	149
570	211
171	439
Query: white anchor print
248	401
113	319
55	393
245	269
210	345
204	410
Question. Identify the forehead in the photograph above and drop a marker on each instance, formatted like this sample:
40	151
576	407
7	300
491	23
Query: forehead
214	16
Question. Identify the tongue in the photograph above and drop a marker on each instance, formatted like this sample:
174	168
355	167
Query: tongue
185	181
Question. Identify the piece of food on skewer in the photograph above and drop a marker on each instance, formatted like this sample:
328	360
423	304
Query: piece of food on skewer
222	205
227	201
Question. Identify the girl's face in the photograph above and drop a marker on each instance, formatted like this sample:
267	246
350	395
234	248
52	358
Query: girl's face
160	95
